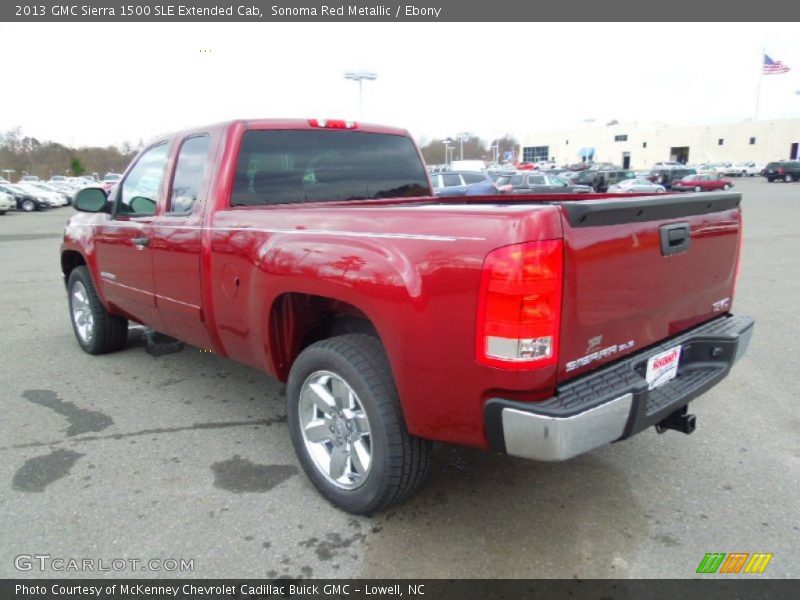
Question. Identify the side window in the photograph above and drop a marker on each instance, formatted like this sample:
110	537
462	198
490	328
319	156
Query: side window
192	160
451	180
473	178
436	181
535	180
138	194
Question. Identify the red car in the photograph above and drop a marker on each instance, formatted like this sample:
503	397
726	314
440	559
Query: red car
315	251
701	183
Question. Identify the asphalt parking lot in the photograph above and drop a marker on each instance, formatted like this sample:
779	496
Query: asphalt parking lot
187	455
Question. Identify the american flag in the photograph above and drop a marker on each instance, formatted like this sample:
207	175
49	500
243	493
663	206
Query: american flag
774	67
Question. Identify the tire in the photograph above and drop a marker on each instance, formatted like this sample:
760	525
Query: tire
398	461
788	178
3	212
97	331
697	188
28	205
726	187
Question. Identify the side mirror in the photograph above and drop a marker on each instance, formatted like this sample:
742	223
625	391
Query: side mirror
91	200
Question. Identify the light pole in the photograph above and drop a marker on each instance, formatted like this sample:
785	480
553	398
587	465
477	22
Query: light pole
446	143
360	76
461	137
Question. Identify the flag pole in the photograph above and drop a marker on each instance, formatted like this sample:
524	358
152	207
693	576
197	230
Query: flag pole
758	88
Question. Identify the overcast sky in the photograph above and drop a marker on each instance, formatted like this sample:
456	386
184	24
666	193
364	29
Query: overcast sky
103	83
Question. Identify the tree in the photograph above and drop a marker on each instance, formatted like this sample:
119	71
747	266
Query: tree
507	143
474	148
76	166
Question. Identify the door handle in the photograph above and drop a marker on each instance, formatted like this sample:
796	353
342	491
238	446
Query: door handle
141	241
675	238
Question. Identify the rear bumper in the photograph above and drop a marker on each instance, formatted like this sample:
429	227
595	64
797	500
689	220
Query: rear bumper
614	402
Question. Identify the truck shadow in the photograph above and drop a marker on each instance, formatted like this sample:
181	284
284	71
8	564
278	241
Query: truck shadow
485	515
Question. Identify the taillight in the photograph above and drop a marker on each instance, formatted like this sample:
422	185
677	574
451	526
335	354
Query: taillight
780	170
332	123
519	308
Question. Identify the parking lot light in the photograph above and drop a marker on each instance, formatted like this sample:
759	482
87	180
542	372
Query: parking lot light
360	77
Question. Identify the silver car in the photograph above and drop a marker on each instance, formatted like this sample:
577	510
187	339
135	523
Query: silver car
636	186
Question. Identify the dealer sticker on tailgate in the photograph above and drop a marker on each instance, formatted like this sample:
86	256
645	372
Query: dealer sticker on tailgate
663	367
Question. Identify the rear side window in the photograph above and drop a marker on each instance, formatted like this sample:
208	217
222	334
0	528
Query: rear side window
291	166
451	180
473	178
192	161
536	180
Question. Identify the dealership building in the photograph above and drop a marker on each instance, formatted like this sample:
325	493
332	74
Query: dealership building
637	146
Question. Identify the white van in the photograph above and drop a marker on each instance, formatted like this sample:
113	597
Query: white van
468	165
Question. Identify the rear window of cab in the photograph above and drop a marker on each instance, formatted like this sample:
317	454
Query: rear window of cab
293	166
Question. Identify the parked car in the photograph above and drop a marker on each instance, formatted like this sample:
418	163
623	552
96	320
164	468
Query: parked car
57	179
51	198
28	179
666	177
26	201
783	170
743	169
63	187
636	185
7	203
601	179
701	183
398	319
61	197
536	182
463	183
112	178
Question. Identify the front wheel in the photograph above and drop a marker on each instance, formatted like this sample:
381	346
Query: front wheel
726	187
96	330
697	188
28	205
788	178
347	425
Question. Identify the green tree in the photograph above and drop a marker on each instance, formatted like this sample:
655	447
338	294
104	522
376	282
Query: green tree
76	166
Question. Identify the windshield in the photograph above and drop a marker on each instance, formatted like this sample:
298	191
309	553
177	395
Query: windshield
556	180
287	166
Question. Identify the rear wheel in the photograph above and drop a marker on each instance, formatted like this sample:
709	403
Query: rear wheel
726	187
697	188
96	330
788	178
347	425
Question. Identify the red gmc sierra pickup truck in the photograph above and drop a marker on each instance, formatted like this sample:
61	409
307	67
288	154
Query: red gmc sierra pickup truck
538	326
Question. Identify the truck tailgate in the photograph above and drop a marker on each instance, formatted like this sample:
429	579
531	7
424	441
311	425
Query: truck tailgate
638	270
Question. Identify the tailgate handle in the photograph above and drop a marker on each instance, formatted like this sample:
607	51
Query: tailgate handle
674	238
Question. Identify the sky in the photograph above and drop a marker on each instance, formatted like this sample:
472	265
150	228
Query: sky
104	83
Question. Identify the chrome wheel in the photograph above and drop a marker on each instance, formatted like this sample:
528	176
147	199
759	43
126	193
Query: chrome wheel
82	315
335	429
